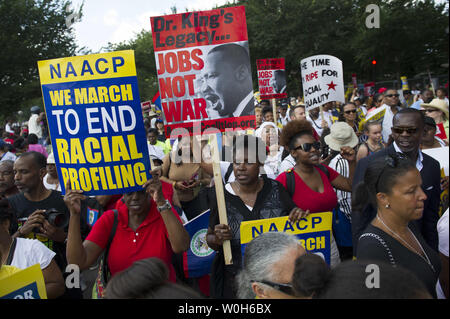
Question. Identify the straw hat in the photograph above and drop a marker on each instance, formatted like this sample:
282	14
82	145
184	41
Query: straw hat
341	134
437	104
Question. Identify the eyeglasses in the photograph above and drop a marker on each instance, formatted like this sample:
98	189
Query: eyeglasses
430	110
409	130
391	95
350	111
284	288
306	147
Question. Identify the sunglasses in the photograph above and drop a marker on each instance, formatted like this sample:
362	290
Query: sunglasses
391	95
284	288
306	147
350	111
409	130
391	161
379	101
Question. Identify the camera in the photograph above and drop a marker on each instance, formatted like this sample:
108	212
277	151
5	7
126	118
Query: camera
55	218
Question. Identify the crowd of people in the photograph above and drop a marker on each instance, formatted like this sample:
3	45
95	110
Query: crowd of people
384	192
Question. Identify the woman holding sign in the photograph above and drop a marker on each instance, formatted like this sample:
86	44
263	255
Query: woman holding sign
249	197
147	226
311	184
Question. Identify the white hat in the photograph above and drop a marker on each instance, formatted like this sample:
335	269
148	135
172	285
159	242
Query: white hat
51	158
341	134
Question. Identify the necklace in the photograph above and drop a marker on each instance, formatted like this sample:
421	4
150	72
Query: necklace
426	259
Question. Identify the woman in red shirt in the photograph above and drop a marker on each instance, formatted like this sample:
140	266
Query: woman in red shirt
313	190
147	227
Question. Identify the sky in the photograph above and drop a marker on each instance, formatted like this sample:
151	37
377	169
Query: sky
115	21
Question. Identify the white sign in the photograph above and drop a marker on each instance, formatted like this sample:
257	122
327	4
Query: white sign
440	154
323	80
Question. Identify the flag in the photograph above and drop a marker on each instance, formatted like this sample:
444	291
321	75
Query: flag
197	260
157	101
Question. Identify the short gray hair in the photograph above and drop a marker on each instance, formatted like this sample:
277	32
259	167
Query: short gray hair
260	255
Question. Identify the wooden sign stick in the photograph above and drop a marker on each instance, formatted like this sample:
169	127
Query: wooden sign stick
220	197
274	109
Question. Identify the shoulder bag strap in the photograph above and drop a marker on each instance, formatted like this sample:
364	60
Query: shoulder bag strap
108	245
11	252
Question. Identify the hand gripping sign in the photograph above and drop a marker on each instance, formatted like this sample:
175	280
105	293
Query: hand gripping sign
323	80
95	122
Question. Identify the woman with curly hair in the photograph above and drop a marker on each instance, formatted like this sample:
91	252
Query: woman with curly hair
313	182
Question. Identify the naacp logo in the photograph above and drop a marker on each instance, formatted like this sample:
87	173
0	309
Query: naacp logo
198	244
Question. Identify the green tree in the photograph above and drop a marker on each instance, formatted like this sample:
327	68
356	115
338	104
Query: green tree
30	30
145	62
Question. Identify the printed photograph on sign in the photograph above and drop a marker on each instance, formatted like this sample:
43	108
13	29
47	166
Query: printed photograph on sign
205	79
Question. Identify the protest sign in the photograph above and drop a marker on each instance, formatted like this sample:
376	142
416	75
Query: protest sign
405	85
440	131
369	88
197	260
440	154
95	121
25	284
375	115
204	72
146	106
313	232
323	80
354	81
271	78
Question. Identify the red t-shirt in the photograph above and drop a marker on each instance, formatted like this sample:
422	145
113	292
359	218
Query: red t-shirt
305	198
149	240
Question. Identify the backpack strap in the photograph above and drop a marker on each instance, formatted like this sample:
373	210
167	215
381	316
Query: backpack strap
290	182
323	169
228	173
11	252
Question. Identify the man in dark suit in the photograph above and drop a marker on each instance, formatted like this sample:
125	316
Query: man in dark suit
407	132
227	81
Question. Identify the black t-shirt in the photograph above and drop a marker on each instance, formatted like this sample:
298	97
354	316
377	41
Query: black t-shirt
23	208
374	244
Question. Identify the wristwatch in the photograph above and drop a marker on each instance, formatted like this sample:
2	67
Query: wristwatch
165	206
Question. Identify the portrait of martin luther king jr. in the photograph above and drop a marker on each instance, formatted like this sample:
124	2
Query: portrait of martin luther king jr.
226	82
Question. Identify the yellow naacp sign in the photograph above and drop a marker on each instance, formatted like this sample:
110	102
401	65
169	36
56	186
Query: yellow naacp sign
24	284
313	232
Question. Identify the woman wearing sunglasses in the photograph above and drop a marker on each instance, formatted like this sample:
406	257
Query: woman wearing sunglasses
392	184
313	190
437	109
349	115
